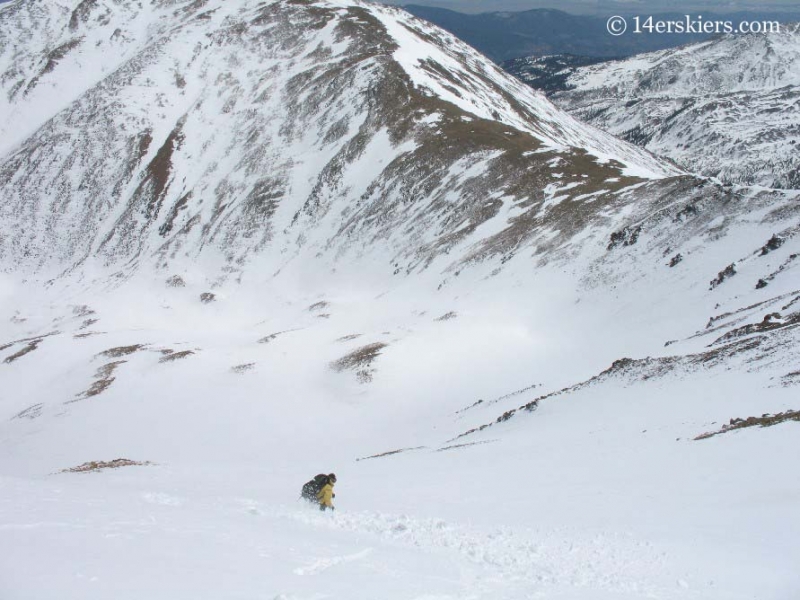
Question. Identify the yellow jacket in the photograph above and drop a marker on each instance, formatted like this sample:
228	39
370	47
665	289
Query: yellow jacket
325	496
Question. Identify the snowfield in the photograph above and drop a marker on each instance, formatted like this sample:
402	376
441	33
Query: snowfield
260	241
602	492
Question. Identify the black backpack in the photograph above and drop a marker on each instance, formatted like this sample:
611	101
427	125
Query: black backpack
312	488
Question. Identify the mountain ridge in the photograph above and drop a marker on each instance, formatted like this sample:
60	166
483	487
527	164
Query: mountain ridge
722	108
453	102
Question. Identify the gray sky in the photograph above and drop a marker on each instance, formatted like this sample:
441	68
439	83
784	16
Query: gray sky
609	7
612	7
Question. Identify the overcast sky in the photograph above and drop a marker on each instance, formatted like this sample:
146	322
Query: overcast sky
612	7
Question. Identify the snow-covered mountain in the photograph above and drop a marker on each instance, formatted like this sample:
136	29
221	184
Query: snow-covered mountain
176	129
725	108
549	73
245	242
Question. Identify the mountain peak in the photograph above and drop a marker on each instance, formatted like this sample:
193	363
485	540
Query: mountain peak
226	128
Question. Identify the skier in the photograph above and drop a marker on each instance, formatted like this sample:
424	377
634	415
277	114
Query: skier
320	491
325	496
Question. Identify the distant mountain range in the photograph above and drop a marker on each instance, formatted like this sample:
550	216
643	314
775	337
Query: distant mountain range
506	35
725	108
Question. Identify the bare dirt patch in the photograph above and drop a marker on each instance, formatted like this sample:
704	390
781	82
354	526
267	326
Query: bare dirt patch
390	453
104	377
120	351
31	412
360	361
766	420
467	445
81	336
347	338
758	349
363	357
500	398
770	322
100	465
32	345
723	276
792	378
243	368
173	356
176	281
82	311
273	336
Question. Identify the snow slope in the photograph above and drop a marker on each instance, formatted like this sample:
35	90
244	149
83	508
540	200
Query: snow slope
272	242
600	492
725	108
218	130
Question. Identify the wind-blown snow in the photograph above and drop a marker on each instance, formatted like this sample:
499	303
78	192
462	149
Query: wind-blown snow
599	494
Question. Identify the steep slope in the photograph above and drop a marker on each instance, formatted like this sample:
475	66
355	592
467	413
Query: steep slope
726	108
226	129
242	243
600	492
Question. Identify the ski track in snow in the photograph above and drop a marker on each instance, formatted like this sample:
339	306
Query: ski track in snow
163	499
536	561
323	564
610	562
